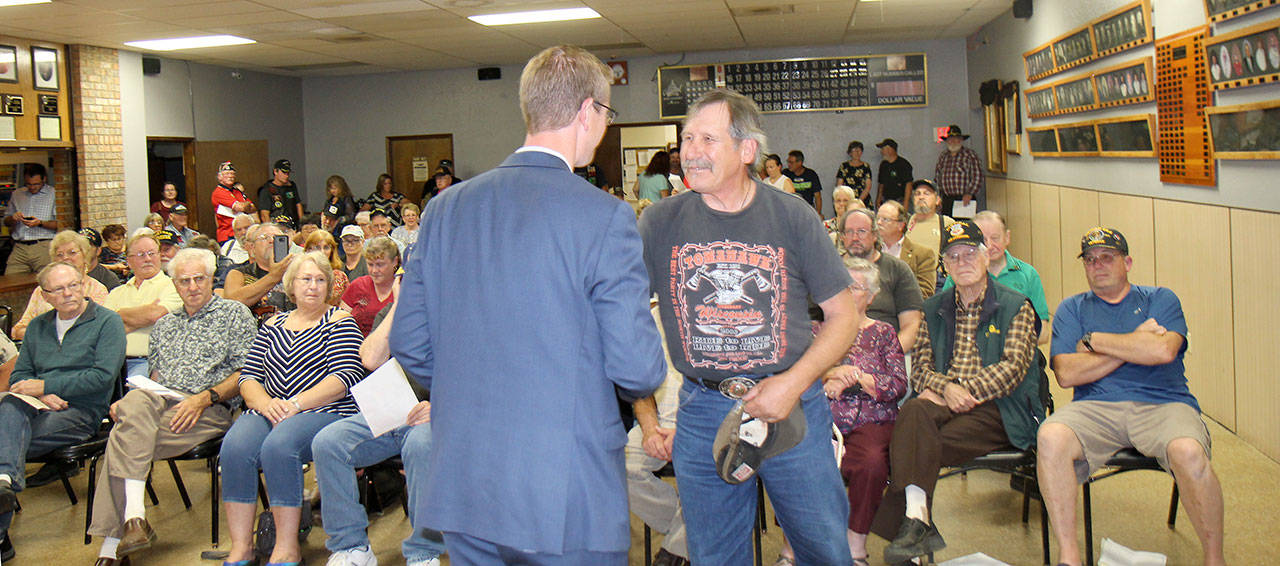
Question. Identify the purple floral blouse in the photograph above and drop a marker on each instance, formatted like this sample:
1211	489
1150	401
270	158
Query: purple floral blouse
878	352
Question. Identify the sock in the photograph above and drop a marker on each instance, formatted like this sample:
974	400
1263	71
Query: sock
109	545
135	499
917	502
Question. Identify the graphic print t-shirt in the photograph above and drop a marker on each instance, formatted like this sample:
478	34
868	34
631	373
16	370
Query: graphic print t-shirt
734	288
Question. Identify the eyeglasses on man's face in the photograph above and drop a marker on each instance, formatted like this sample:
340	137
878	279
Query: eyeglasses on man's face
609	114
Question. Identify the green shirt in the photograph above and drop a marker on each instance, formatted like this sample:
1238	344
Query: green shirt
1021	277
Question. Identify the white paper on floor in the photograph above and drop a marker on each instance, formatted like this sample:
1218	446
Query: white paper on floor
1116	554
978	559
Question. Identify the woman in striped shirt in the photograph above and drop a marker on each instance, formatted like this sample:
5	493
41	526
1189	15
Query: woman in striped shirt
295	381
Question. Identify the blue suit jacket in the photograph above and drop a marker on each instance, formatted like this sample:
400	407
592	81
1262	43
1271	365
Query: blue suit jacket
524	307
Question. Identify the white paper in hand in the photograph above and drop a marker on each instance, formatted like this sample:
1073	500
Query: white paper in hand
959	210
385	397
147	384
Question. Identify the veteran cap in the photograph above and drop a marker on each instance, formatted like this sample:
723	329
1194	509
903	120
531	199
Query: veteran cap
744	442
1100	237
962	232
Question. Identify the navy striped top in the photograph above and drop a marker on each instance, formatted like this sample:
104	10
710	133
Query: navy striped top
288	362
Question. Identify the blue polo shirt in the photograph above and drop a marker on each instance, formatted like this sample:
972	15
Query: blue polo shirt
1021	277
1087	312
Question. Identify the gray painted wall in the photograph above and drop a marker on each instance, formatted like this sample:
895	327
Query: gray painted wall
348	118
211	104
997	53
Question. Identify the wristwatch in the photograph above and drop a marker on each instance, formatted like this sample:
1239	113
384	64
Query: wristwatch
296	404
213	396
1086	340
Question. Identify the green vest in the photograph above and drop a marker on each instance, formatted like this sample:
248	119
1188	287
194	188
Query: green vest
1022	410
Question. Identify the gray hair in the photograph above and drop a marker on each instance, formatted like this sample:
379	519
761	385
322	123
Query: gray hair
364	215
991	215
243	216
843	190
870	216
42	277
744	119
193	255
869	272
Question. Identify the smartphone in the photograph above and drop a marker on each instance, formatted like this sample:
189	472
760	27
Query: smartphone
281	247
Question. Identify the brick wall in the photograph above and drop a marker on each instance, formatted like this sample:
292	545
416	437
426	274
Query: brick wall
98	135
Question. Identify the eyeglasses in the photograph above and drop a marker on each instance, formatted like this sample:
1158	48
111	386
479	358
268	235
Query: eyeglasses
959	257
187	281
860	232
144	255
73	287
1099	259
309	281
67	255
610	114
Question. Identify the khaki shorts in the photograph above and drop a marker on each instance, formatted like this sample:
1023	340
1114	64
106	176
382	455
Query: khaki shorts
1106	427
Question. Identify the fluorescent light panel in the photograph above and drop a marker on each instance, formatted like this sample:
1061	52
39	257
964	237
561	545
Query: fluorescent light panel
188	42
22	2
535	16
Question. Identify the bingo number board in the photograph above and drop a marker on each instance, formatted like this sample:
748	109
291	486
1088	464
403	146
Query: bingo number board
802	85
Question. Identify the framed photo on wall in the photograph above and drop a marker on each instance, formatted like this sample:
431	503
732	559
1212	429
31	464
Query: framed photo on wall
1245	131
1043	141
1075	48
1040	102
1012	122
1038	63
1245	57
1125	27
44	68
1127	136
1076	95
1222	10
8	64
1124	84
1078	139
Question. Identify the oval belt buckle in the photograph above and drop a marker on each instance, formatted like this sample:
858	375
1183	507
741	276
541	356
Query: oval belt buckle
735	387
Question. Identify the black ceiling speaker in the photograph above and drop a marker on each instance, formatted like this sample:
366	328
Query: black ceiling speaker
150	66
489	73
1022	9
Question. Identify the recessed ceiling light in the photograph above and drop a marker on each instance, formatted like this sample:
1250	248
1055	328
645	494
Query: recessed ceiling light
536	16
188	42
22	2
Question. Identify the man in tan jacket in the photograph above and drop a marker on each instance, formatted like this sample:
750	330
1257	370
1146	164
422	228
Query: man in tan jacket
892	221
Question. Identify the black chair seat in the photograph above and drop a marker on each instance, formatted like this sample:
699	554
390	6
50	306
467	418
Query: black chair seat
202	451
1131	459
1126	460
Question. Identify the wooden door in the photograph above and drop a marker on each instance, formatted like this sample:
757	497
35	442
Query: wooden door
252	170
608	158
403	152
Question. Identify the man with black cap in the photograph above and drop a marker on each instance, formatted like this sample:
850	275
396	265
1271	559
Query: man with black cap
927	227
1120	346
280	194
228	201
178	225
895	172
169	246
959	171
978	391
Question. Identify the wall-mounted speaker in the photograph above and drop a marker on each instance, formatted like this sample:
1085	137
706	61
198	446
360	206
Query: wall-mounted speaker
1022	9
489	73
150	66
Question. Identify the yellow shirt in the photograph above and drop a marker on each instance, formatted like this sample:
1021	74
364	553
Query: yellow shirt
928	232
159	288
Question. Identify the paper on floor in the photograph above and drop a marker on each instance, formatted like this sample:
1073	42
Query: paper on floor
1116	554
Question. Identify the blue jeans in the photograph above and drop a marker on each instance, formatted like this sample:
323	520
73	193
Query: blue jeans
26	433
804	486
466	550
136	366
280	451
349	444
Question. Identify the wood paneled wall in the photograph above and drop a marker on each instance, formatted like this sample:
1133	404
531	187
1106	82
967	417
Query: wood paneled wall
1217	259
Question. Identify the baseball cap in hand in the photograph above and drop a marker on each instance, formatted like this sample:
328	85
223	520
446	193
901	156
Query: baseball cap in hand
744	442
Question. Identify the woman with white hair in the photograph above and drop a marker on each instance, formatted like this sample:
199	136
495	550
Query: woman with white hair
842	197
296	380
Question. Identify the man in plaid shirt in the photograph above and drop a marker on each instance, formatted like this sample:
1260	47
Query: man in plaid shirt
959	172
978	390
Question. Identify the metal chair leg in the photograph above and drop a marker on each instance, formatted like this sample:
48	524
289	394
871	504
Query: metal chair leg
66	484
1173	506
1044	530
648	546
177	479
151	492
1088	526
215	482
88	508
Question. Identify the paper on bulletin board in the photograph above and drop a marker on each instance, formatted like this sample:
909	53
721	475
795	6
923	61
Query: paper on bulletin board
421	169
7	129
628	157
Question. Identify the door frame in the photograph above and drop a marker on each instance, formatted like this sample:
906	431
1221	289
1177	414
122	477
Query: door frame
188	174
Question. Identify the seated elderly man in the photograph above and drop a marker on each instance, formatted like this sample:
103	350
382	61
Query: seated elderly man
142	300
978	391
259	283
237	249
1121	347
899	301
1008	270
195	352
66	372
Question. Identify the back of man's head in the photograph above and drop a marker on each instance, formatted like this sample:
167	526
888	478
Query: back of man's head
554	84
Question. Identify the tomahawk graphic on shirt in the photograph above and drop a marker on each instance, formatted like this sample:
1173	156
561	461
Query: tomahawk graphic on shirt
730	300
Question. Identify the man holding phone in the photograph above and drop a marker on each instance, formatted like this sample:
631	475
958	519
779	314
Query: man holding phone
33	220
258	284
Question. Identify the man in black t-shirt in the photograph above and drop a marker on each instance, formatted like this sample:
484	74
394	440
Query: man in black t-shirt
279	195
895	173
804	179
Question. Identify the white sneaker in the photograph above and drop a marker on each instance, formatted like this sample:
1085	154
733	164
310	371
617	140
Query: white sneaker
360	556
427	562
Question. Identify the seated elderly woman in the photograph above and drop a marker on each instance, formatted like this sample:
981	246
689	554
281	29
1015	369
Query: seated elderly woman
371	293
295	381
841	198
864	391
70	247
323	242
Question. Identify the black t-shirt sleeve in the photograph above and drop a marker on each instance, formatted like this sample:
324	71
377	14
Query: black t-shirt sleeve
820	267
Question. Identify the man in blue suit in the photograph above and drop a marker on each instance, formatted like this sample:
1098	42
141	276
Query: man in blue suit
525	301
